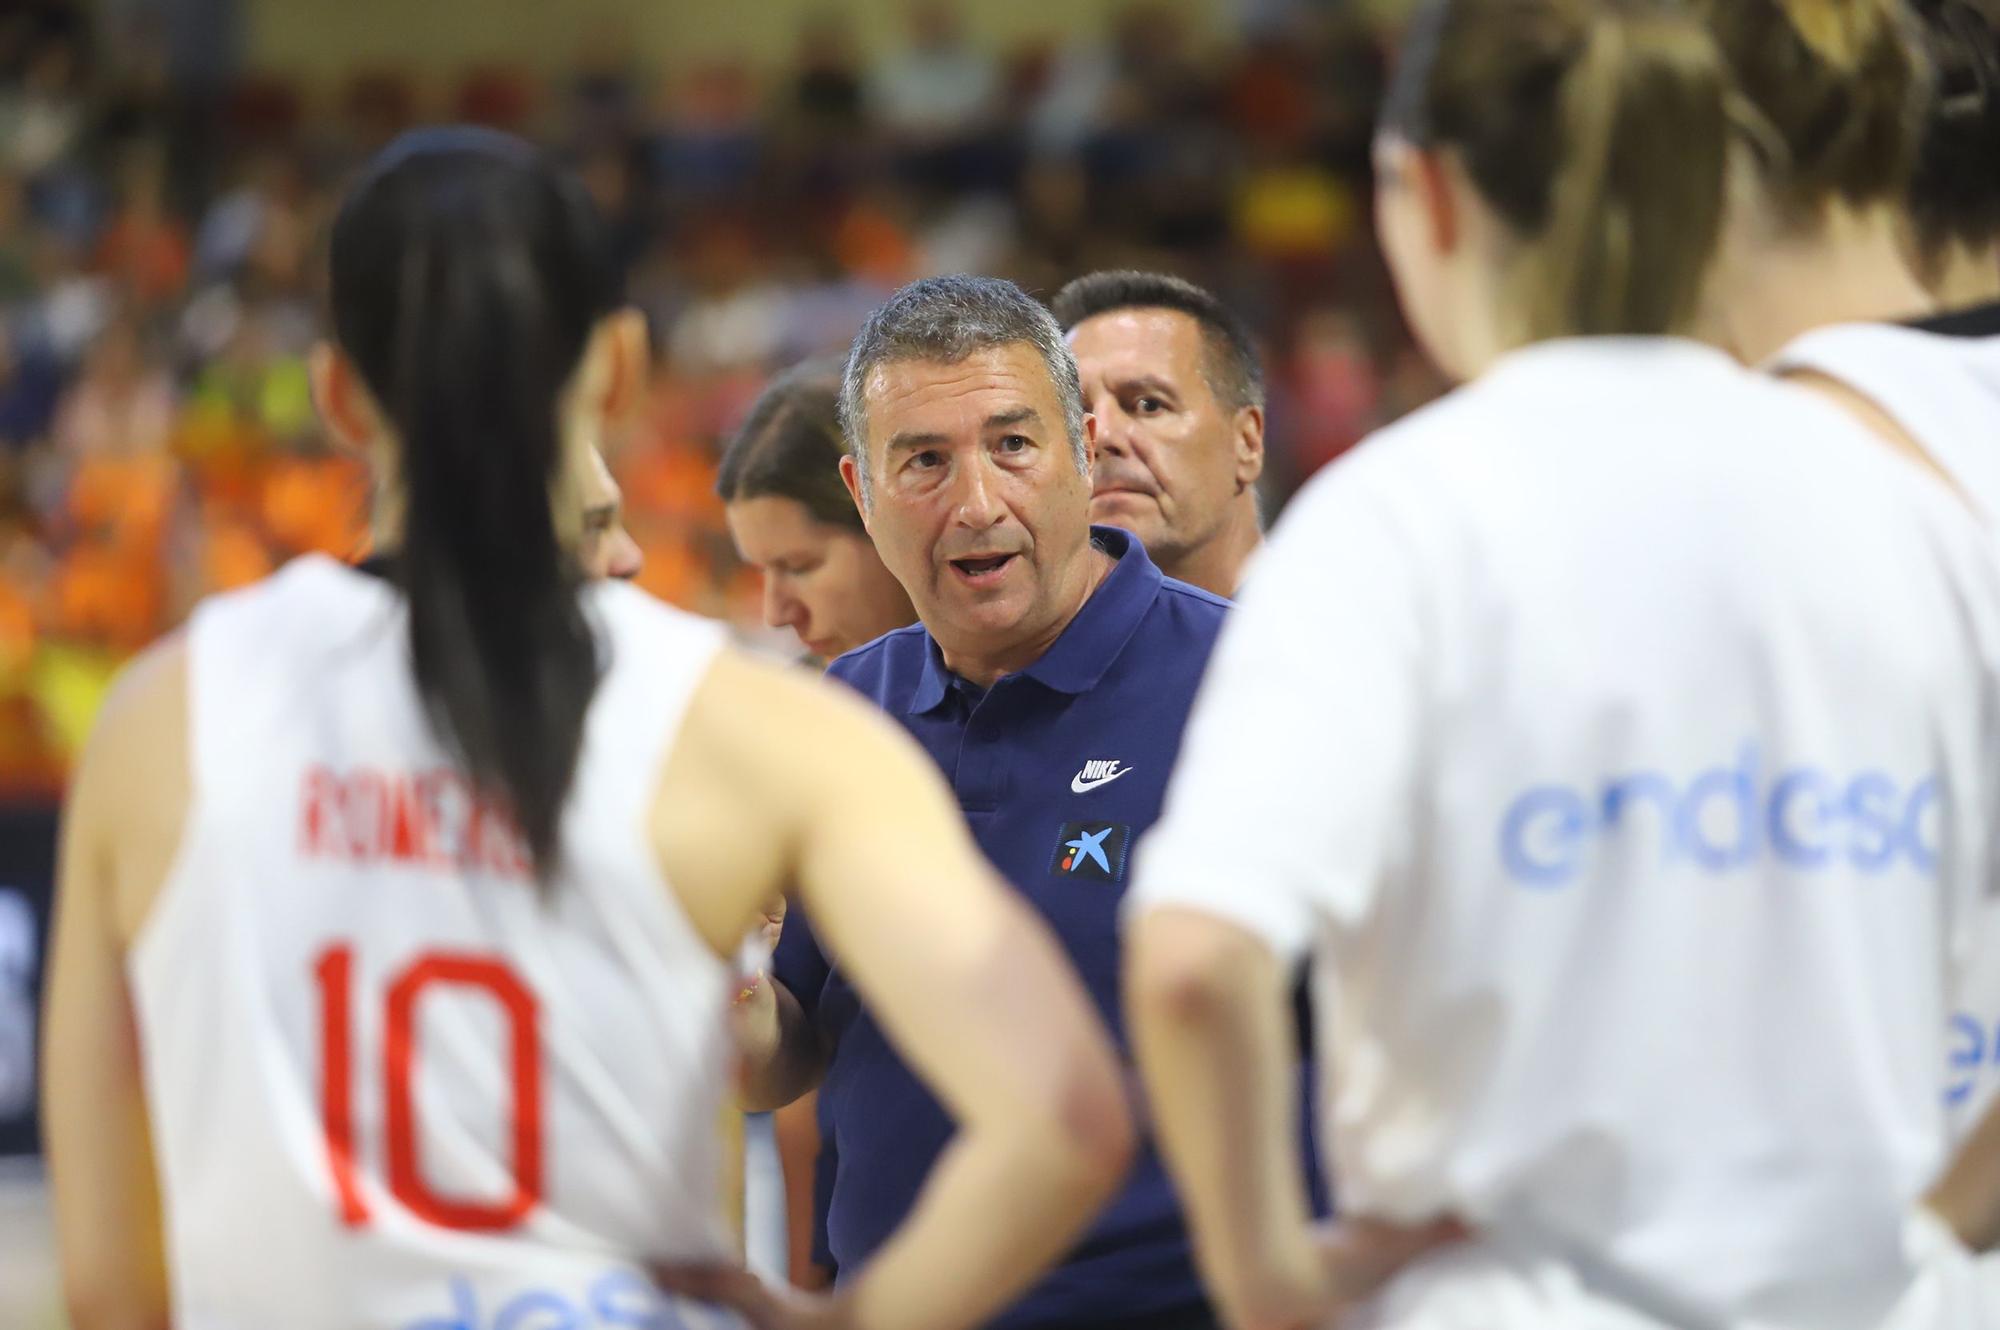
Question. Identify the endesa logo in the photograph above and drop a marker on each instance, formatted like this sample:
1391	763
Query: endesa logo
1725	818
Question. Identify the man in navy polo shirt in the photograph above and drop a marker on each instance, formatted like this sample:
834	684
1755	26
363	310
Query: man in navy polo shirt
1050	676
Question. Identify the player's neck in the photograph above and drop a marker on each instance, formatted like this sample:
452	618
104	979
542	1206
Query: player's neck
1850	269
1216	565
386	520
385	526
1967	279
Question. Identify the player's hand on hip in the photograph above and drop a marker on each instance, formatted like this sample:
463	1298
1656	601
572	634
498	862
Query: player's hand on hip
753	1017
1363	1255
762	1306
1347	1262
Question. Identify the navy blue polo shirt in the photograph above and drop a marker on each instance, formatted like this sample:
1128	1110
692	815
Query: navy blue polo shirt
1058	769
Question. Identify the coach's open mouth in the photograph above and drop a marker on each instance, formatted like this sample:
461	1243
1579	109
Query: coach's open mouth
984	569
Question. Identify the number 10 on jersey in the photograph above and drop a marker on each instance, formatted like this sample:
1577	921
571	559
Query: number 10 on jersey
334	973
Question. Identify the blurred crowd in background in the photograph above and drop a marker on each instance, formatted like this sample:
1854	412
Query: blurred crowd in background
160	269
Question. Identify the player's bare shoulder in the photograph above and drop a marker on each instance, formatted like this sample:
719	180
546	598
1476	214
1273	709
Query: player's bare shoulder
131	790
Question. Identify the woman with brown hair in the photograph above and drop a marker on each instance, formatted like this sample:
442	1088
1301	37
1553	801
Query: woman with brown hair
1854	120
793	521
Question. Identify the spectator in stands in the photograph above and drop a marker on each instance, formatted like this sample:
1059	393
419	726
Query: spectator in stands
17	251
145	248
937	98
30	385
42	117
940	84
121	404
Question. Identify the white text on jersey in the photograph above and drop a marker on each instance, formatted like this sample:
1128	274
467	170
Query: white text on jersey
1097	772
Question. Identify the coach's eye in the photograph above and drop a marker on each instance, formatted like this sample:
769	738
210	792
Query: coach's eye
1015	443
1148	406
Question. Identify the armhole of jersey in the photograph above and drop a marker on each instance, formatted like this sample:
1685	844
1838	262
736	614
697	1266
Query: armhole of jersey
659	657
198	740
1806	361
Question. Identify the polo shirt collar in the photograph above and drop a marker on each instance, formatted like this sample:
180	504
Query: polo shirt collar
1091	642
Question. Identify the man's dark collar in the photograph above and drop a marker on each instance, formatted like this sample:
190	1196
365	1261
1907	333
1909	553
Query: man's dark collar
1976	321
1093	639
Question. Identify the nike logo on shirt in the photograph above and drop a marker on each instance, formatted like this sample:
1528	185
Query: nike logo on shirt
1096	773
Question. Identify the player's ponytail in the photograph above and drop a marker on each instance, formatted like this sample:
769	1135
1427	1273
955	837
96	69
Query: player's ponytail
1838	89
467	278
1597	130
1955	184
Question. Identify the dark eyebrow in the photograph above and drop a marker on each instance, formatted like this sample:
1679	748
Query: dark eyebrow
1020	415
910	439
1145	383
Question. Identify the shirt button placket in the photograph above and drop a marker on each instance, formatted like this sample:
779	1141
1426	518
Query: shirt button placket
982	762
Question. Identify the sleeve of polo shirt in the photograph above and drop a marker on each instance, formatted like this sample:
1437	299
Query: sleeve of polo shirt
797	961
1294	782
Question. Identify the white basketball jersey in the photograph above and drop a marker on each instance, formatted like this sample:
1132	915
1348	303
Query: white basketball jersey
1621	735
1945	392
393	1081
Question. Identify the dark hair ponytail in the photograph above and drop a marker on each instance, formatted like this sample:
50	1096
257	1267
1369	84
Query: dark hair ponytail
467	277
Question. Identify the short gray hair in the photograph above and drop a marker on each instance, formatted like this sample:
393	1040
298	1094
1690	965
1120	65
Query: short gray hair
946	319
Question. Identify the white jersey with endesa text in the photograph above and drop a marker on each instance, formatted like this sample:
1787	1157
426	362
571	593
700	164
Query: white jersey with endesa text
1619	736
1943	390
394	1081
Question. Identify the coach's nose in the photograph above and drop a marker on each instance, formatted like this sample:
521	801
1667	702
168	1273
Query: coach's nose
976	503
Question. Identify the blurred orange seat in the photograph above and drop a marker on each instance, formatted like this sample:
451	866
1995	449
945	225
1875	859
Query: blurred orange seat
316	504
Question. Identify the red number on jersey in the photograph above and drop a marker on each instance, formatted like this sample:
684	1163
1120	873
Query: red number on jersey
335	973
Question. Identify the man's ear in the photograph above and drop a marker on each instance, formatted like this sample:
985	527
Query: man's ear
850	476
343	400
1248	446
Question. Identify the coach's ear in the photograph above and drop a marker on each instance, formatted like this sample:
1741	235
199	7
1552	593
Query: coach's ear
850	476
345	405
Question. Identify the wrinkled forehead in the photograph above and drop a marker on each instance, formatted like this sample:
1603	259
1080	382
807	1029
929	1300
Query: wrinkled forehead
939	401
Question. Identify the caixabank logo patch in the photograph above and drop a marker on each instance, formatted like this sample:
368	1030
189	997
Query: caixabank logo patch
1093	851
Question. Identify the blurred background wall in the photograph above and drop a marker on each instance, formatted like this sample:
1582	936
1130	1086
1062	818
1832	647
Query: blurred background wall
317	38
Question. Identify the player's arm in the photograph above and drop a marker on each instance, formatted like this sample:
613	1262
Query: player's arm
1967	1197
1316	685
107	1204
797	781
1206	1004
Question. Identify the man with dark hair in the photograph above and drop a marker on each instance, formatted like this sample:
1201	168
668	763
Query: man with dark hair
1048	675
1174	380
1954	198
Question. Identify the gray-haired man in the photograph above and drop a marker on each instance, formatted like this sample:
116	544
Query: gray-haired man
1049	677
